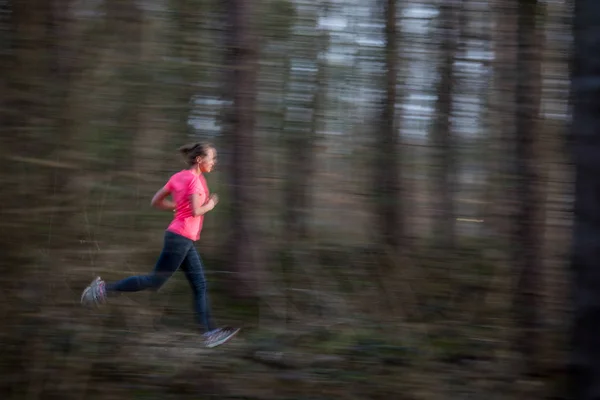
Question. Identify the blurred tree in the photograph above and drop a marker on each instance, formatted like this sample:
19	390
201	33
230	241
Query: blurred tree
387	156
502	124
241	63
443	145
305	94
189	46
527	227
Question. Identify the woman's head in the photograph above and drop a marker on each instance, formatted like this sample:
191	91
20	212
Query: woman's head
200	155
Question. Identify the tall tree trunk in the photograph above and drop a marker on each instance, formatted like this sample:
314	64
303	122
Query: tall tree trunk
387	173
242	64
188	45
33	115
301	140
22	72
526	257
501	157
443	147
147	122
585	343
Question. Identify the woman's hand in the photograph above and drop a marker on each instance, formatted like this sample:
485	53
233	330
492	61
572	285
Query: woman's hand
213	200
199	209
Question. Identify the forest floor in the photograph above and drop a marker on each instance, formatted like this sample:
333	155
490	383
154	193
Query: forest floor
99	356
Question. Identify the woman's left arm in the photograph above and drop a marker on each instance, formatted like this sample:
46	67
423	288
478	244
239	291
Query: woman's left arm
161	202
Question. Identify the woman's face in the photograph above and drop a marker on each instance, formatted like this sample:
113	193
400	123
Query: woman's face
208	162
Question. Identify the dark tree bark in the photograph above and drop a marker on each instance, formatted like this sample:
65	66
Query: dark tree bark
387	173
242	64
30	59
585	136
443	146
189	16
526	224
502	154
301	140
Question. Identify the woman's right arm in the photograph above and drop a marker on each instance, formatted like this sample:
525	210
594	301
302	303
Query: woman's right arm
200	209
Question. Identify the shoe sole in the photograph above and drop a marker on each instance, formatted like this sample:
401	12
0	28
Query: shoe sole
223	341
86	301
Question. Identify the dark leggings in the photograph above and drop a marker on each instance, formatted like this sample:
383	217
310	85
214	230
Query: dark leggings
178	251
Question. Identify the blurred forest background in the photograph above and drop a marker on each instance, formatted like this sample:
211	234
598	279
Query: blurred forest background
396	194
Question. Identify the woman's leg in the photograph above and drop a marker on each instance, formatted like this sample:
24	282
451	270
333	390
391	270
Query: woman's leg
194	272
175	250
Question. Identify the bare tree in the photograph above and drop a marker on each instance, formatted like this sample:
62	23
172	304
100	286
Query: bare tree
502	104
526	241
387	170
443	146
302	132
242	64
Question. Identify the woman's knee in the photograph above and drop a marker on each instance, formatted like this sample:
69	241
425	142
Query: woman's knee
156	281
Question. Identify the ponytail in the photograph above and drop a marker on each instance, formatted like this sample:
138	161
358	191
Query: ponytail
191	151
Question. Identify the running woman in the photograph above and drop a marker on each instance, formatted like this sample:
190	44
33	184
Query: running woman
191	200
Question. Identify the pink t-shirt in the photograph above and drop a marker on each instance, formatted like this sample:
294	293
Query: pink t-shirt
181	186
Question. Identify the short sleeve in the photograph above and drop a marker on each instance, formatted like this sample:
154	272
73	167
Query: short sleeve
169	185
196	187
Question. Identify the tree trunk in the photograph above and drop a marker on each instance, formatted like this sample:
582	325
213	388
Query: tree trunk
387	171
443	147
526	224
242	64
585	354
501	157
188	45
301	140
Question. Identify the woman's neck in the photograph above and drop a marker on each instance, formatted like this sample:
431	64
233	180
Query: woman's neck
196	170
